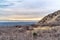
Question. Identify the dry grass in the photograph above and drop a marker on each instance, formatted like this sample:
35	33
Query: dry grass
40	33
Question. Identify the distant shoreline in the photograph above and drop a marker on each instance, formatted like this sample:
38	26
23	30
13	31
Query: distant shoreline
16	23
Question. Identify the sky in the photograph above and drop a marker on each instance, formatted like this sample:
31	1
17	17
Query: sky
27	10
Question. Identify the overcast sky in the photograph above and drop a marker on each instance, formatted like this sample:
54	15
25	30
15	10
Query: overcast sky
27	10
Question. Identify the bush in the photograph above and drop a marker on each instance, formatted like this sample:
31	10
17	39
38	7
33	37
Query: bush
34	34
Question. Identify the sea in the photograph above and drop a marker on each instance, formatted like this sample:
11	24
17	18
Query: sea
9	24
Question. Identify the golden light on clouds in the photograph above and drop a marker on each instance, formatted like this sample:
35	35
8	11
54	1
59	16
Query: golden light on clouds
23	18
7	18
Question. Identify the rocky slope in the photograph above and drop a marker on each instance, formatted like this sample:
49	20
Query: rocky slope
51	19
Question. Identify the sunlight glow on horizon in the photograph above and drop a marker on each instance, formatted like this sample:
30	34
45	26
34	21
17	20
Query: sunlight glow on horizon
23	19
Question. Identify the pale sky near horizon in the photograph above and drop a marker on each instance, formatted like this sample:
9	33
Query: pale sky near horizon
27	10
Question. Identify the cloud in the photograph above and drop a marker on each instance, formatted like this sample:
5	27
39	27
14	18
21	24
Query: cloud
27	9
26	12
30	4
21	14
41	4
9	3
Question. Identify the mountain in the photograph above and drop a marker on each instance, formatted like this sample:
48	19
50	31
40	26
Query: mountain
52	19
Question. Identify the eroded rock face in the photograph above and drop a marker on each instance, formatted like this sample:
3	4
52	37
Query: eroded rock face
53	19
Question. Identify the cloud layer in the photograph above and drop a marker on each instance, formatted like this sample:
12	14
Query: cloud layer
20	14
42	4
27	9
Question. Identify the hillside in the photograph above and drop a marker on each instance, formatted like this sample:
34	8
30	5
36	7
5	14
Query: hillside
51	19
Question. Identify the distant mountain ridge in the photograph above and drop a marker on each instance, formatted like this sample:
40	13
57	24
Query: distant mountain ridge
51	19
